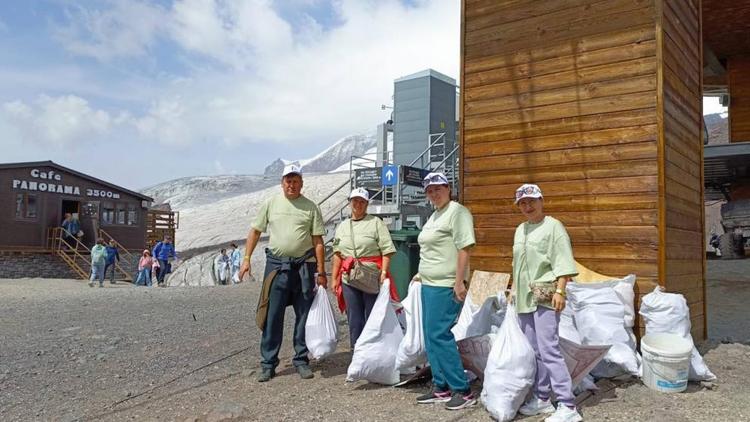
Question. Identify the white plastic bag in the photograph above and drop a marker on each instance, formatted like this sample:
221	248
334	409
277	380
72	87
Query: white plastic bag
475	320
669	313
510	370
411	351
374	359
600	320
321	331
567	327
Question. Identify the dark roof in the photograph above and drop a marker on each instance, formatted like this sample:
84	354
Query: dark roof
77	173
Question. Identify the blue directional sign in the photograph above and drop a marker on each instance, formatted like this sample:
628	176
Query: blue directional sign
390	175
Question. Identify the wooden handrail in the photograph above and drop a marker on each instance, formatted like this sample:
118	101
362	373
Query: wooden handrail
130	259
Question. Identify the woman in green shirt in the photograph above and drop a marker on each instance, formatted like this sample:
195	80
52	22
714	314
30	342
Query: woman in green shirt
542	265
444	244
364	238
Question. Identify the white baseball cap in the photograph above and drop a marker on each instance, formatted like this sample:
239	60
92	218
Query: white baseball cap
434	179
528	190
291	169
360	193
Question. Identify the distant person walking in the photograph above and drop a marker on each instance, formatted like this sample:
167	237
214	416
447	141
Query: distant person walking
144	269
113	257
68	236
542	266
364	240
444	244
164	253
236	258
222	267
295	249
98	261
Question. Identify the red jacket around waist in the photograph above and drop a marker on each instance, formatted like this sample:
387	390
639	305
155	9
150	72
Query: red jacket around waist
346	266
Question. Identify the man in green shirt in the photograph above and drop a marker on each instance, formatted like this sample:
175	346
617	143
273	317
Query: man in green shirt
295	257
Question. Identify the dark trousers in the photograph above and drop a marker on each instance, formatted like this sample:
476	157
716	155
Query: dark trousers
286	290
358	307
107	267
164	269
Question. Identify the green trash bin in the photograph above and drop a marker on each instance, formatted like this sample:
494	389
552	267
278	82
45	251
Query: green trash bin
405	262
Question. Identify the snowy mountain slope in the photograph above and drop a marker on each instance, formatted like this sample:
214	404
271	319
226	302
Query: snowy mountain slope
229	219
188	192
333	157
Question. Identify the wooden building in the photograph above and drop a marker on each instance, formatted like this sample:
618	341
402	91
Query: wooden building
599	102
35	196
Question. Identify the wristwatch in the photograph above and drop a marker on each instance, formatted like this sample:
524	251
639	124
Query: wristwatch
561	292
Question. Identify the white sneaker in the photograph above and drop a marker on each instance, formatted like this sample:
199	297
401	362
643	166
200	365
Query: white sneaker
536	406
565	414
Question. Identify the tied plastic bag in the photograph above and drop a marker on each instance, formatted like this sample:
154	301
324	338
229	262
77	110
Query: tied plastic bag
373	359
411	352
567	327
669	313
510	370
321	331
475	320
599	317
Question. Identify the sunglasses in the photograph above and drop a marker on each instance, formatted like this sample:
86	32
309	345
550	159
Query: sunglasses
528	190
434	179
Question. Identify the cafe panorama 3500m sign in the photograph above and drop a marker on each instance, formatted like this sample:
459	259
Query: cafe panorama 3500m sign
45	183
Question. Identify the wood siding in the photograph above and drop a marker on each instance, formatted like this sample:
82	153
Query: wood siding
572	95
684	251
739	103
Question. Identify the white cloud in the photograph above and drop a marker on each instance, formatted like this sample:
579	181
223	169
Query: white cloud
57	122
127	28
252	77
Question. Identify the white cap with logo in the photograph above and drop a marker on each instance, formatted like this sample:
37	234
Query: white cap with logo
528	190
360	193
291	169
434	179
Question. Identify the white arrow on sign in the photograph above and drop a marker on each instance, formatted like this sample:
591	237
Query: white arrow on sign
389	175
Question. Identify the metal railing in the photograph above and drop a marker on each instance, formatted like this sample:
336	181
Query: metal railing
59	244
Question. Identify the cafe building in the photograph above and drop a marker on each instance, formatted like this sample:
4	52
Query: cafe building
35	196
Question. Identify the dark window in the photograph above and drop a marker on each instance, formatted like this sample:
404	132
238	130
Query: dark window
26	206
120	213
132	215
108	213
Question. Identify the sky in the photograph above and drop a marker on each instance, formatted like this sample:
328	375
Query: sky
137	92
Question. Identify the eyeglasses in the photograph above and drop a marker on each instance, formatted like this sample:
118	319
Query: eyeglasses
528	190
433	180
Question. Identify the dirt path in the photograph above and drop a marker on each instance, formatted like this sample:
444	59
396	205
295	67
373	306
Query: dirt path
70	352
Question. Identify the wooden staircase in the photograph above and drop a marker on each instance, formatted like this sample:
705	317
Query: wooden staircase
78	257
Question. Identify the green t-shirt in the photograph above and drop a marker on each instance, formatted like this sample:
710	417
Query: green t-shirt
371	237
446	232
541	253
291	223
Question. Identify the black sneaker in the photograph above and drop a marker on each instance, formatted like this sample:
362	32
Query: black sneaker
434	396
305	372
266	374
460	401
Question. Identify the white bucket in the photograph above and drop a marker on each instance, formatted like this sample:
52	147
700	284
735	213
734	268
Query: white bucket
666	360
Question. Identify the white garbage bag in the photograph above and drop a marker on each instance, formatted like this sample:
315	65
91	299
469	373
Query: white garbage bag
411	352
600	320
475	320
510	370
321	331
567	327
374	359
669	313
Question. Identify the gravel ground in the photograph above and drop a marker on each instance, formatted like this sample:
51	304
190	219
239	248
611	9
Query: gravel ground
70	352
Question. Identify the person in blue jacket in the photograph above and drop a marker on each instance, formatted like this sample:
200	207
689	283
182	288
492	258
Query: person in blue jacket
113	256
164	253
236	258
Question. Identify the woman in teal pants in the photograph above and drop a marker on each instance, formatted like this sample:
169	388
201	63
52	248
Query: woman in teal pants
443	264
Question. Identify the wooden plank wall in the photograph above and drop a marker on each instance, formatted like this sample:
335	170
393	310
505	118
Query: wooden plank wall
684	251
597	101
563	93
739	103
